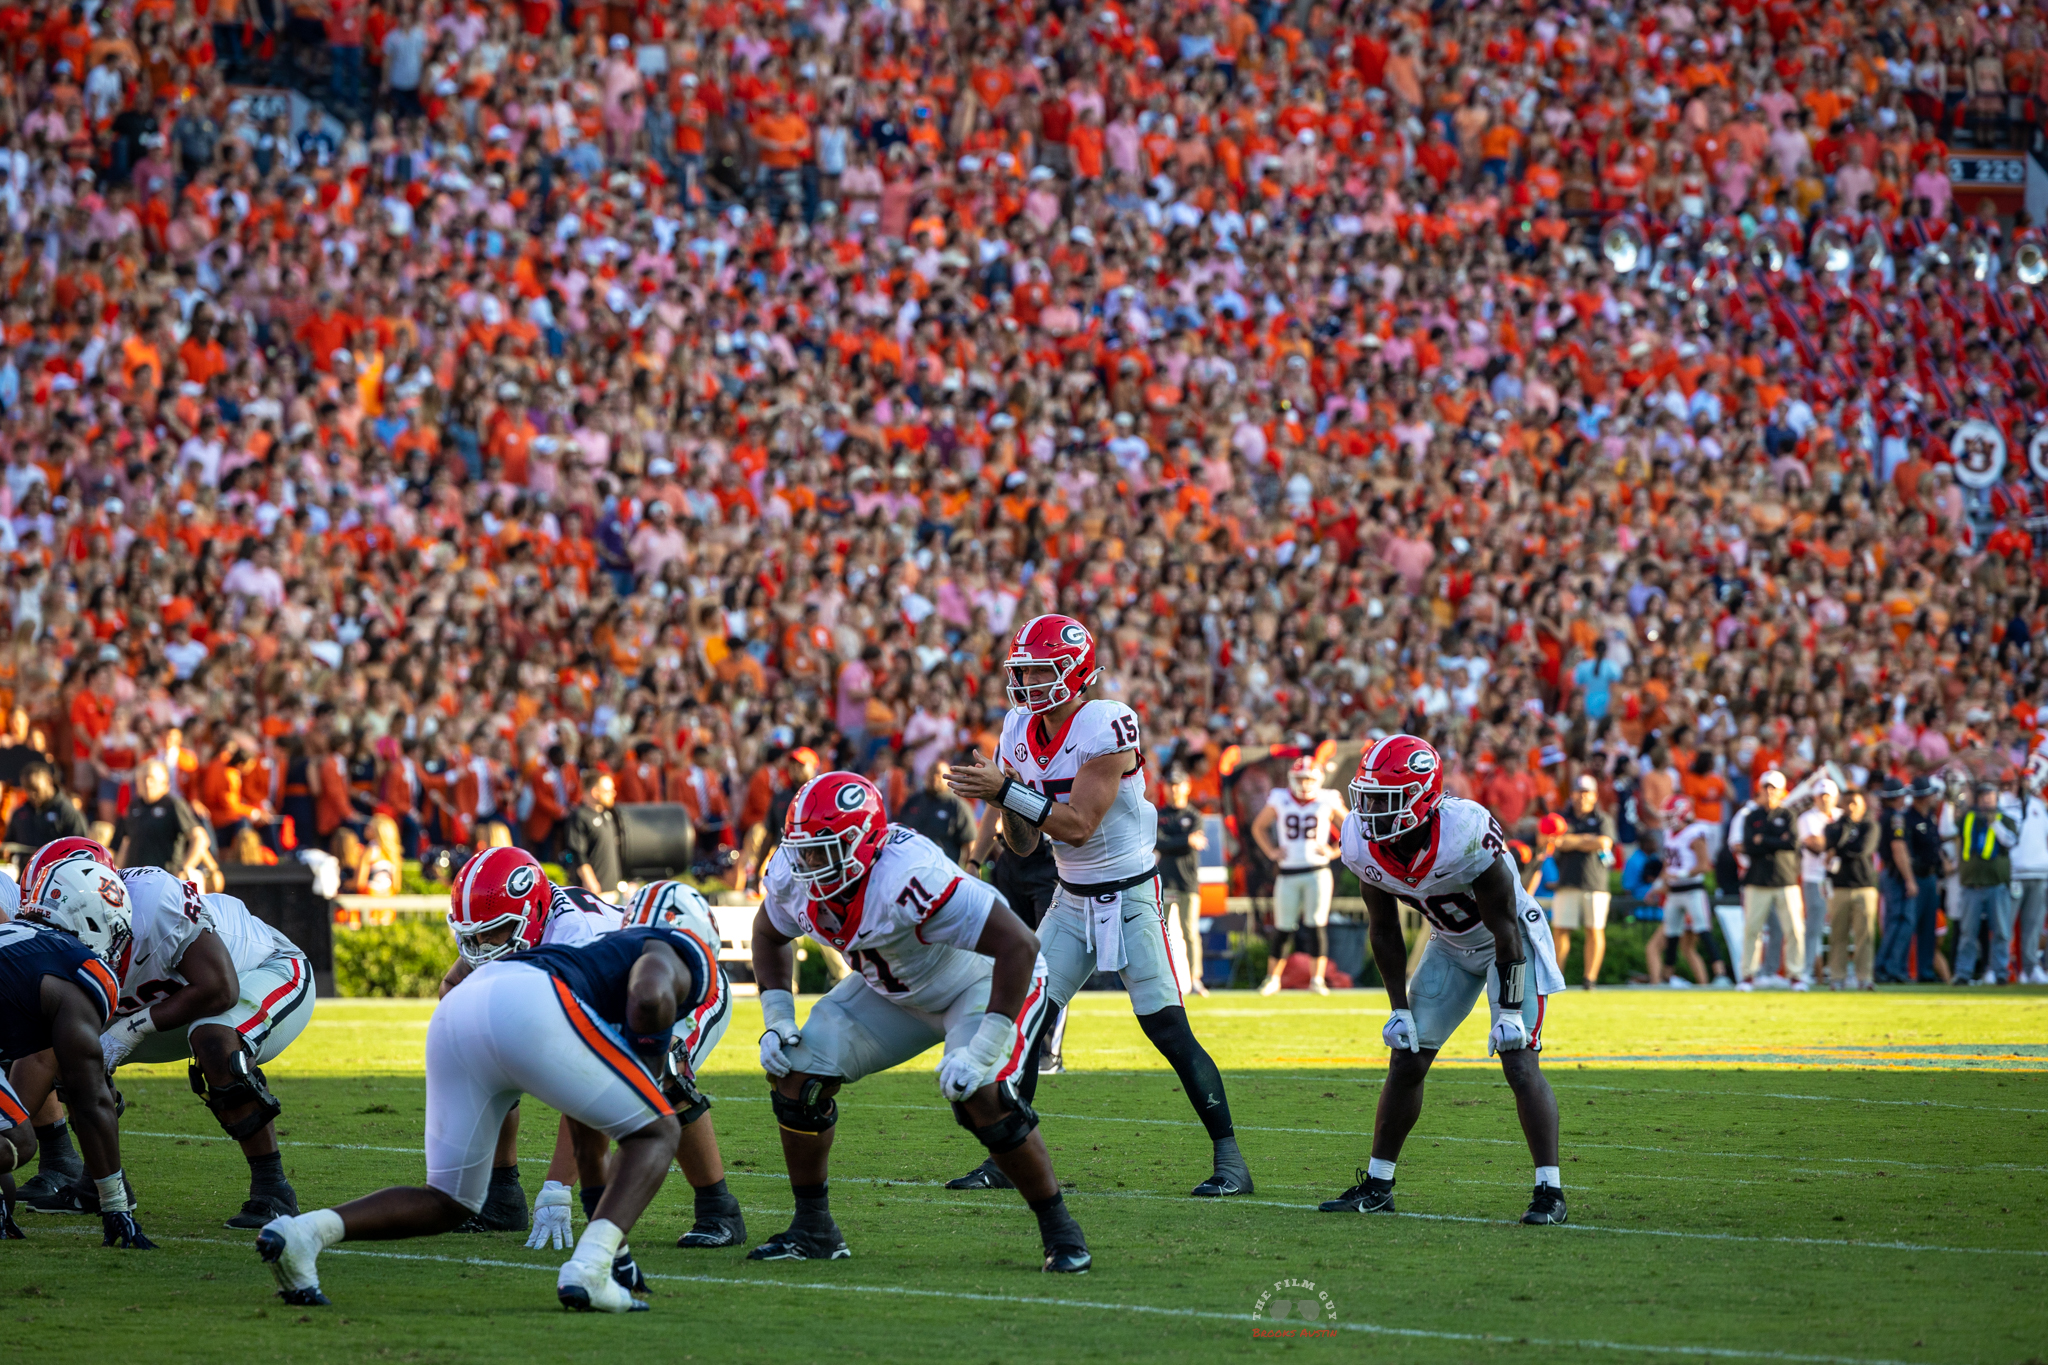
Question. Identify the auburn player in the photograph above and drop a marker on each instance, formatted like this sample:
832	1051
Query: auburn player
938	957
1293	828
581	1152
56	994
58	1167
1444	856
586	1029
1073	771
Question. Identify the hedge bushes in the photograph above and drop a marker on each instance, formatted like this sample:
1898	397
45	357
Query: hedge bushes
402	960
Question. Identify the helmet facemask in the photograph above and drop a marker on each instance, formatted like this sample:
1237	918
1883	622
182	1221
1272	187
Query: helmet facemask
1386	813
1037	685
824	863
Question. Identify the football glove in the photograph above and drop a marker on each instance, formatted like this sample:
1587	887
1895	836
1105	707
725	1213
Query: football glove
119	1230
120	1040
778	1011
1399	1032
1510	1034
965	1070
551	1219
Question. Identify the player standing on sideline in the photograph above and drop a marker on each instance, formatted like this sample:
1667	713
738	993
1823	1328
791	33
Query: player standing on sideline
1073	771
1445	856
58	1167
56	993
937	957
1688	853
585	1029
1294	829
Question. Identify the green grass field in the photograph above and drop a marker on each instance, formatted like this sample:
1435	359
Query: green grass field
1770	1177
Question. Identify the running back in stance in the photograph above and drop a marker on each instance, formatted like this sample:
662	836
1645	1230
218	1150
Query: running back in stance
1444	856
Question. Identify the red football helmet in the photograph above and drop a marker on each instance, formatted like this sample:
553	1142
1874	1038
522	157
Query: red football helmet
499	887
834	833
1052	660
1305	778
1677	814
56	851
1400	781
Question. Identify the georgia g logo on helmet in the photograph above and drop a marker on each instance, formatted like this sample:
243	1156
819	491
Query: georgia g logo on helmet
849	797
519	882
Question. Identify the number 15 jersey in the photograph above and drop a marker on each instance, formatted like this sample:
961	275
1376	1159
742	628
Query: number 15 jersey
1124	845
909	927
1464	841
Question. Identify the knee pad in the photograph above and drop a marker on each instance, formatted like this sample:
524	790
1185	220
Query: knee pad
812	1112
1007	1133
1283	944
248	1087
695	1110
1319	937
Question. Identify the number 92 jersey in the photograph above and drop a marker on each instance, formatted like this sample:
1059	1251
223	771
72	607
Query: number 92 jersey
1464	841
909	927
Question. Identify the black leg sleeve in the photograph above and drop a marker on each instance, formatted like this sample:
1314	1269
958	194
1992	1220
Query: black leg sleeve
1027	1083
1169	1032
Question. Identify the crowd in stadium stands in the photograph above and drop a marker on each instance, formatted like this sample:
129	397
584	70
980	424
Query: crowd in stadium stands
703	391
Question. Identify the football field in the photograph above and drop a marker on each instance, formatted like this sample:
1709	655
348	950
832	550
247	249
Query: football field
1770	1177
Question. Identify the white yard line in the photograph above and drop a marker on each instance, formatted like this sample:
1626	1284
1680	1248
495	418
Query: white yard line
1037	1301
1265	1203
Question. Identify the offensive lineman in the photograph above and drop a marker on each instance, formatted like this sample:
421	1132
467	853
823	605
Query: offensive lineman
937	958
1293	829
1073	771
55	995
1445	856
585	1029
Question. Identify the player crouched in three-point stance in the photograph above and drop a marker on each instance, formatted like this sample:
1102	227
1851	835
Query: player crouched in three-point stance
940	958
55	996
1444	855
580	1152
586	1030
1073	770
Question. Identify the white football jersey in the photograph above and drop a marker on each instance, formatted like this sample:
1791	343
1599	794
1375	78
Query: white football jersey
909	927
1683	869
576	920
1464	841
164	929
1123	845
1302	828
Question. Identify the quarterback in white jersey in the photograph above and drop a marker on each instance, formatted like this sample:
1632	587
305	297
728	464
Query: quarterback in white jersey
1445	857
1073	771
940	960
1294	829
203	978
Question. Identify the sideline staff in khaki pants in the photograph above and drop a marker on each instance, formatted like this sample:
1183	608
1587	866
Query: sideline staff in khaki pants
1771	883
1852	842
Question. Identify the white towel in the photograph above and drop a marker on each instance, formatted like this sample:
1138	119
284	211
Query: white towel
1105	917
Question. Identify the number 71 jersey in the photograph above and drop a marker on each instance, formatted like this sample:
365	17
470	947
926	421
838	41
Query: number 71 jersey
909	927
1464	841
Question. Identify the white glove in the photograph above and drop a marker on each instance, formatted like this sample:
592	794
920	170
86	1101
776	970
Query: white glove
1510	1034
1399	1032
551	1219
778	1012
965	1069
120	1040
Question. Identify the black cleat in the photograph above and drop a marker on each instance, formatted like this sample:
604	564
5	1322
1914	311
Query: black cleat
1067	1261
261	1206
626	1272
713	1231
795	1245
10	1231
304	1298
986	1176
1546	1207
1369	1195
504	1210
53	1190
1230	1178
